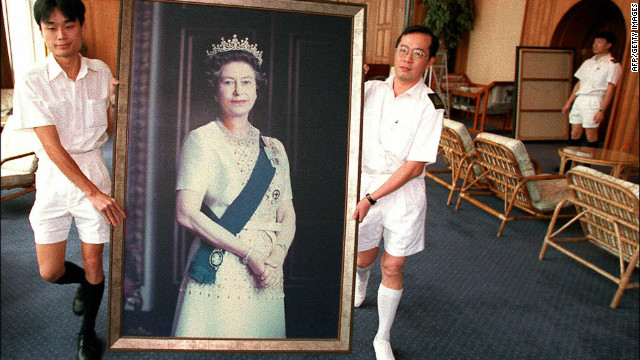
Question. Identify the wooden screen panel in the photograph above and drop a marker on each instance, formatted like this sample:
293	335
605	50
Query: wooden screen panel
538	63
542	125
538	97
543	84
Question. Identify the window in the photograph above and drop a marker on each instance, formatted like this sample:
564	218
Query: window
24	42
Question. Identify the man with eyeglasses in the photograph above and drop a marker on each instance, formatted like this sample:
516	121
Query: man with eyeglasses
402	121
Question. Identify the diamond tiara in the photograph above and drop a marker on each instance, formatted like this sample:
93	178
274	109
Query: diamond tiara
234	44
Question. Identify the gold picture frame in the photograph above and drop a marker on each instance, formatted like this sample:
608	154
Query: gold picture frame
313	56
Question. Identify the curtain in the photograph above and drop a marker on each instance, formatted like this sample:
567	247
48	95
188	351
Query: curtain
24	41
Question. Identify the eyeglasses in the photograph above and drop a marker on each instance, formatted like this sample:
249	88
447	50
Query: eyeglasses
415	54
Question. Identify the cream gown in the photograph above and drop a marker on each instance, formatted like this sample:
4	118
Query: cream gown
218	164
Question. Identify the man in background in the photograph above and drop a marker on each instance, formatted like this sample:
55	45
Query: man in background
593	93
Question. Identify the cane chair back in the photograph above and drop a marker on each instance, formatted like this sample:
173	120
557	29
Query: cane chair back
456	148
512	176
607	209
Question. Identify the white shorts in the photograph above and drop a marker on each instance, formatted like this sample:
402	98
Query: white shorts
398	218
584	109
58	201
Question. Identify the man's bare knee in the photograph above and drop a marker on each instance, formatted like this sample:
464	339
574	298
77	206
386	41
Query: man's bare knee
576	131
392	275
576	134
51	274
592	134
392	266
392	270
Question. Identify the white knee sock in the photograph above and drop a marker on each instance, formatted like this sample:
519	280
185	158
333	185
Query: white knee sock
362	279
388	300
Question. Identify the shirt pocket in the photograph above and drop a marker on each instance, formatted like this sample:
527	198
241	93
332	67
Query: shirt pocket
96	113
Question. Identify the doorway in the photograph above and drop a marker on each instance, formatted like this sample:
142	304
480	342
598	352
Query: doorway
578	28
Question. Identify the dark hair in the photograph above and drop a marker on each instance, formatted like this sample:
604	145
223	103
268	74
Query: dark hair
72	9
435	43
214	63
608	36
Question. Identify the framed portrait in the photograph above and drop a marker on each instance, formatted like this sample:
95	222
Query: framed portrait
307	109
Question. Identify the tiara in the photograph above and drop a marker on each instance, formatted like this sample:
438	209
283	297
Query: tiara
234	44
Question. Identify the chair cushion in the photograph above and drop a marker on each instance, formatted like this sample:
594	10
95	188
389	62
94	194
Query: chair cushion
7	105
465	107
551	193
500	94
634	188
523	159
15	142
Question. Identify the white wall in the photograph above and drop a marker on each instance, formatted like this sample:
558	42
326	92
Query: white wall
493	40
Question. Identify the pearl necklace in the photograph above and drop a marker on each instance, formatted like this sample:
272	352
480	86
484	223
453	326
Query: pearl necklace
248	141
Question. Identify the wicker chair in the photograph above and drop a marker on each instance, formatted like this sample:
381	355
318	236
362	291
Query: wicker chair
515	178
456	147
607	209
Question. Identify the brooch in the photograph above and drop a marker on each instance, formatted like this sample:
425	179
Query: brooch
215	259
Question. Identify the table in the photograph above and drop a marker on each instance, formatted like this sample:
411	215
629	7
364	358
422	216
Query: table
618	160
477	94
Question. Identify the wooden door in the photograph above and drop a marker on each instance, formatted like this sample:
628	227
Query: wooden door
385	22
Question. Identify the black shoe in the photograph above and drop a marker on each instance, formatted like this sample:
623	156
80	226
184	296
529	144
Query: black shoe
78	301
89	347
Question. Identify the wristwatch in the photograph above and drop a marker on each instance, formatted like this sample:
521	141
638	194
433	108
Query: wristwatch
371	201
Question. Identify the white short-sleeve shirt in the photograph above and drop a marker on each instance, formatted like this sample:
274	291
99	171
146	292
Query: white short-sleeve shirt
78	109
398	129
596	74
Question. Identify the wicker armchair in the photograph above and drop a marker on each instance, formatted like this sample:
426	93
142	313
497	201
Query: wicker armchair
608	213
512	176
456	147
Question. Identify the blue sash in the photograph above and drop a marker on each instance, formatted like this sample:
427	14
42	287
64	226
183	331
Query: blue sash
207	259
